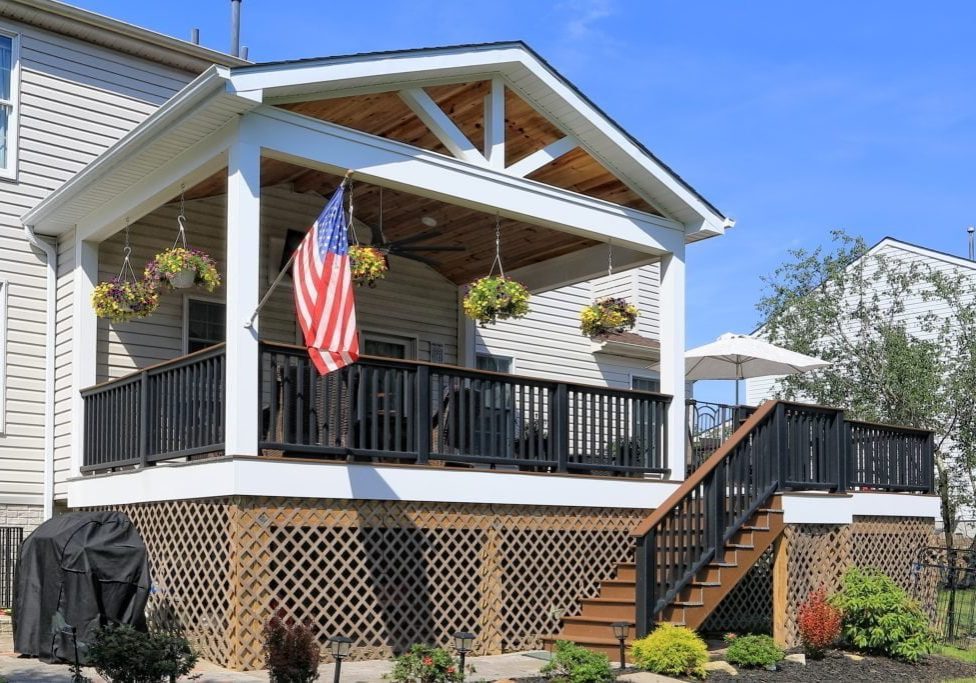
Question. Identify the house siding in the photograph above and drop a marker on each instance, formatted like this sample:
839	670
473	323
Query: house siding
75	100
547	343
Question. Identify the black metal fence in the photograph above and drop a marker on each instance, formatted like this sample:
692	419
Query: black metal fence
945	588
11	538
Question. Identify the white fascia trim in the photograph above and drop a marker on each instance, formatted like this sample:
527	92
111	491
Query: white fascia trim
461	61
210	83
821	508
309	141
345	481
957	261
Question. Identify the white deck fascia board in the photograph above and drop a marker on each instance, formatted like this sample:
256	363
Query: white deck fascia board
819	508
311	142
343	481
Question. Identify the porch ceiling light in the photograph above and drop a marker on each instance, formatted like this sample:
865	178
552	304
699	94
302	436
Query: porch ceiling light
429	221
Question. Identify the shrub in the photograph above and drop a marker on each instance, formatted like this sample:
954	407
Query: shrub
291	653
426	664
880	617
671	650
571	663
124	655
819	623
753	651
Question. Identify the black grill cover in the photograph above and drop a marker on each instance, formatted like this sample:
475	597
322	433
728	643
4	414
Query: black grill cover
81	570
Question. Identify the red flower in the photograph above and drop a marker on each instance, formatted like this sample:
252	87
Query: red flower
450	669
428	661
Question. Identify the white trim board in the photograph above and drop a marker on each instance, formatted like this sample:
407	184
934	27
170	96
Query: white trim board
353	481
820	508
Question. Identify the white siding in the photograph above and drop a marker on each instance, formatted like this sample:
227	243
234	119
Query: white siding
75	101
547	343
413	301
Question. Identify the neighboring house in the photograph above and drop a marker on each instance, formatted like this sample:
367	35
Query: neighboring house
71	84
762	388
455	477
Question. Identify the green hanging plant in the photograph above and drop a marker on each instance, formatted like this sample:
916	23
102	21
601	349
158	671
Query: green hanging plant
494	298
179	268
120	300
609	315
367	265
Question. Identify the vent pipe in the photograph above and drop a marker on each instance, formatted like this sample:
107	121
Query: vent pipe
243	54
235	27
972	243
195	35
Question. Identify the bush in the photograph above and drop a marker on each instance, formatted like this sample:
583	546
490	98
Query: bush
571	663
426	664
880	617
819	623
290	651
671	650
753	651
124	655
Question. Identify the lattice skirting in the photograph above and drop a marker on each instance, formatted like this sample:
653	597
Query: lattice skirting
387	574
819	554
748	608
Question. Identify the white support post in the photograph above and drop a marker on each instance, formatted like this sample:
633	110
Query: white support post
672	311
495	125
84	344
242	287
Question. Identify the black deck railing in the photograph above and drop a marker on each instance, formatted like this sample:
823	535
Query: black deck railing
170	410
418	412
709	426
378	408
11	538
782	446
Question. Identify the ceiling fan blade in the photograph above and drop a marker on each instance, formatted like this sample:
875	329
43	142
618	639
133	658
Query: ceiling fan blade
421	259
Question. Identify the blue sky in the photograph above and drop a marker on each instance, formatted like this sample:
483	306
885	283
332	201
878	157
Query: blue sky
793	118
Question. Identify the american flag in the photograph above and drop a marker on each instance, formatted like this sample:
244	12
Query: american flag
323	290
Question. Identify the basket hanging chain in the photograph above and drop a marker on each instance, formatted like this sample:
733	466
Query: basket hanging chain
498	249
126	272
609	258
181	220
347	181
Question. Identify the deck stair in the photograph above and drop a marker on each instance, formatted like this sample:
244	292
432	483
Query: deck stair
694	549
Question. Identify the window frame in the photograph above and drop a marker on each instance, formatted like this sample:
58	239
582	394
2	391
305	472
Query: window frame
647	378
187	298
498	356
9	172
411	342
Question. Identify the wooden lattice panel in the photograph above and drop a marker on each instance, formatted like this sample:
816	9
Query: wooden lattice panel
387	574
890	544
748	608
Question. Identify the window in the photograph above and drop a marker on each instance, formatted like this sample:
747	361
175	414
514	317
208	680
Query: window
645	384
9	61
388	346
204	324
486	361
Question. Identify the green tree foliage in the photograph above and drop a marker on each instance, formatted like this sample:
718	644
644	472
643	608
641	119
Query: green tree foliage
913	367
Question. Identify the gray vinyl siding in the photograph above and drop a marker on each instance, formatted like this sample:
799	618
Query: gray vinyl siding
75	101
413	301
547	343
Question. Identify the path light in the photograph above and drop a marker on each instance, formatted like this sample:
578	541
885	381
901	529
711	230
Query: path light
339	646
462	643
620	631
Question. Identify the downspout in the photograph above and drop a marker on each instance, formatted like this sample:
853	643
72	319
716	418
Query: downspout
51	254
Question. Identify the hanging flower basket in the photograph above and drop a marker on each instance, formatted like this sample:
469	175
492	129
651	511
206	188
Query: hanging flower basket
180	268
121	300
367	265
607	316
495	298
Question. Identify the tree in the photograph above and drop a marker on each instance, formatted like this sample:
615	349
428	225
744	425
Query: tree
889	362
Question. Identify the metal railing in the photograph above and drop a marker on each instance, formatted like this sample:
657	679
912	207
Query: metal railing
170	410
413	411
709	426
11	538
781	446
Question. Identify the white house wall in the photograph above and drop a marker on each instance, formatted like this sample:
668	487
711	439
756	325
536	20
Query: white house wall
75	100
547	343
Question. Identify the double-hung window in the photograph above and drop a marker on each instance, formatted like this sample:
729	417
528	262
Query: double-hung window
9	57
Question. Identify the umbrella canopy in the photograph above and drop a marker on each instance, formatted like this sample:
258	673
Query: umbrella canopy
738	356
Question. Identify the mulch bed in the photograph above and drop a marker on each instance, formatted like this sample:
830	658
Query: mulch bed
836	667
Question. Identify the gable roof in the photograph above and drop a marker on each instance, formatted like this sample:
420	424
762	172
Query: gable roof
221	94
115	34
920	250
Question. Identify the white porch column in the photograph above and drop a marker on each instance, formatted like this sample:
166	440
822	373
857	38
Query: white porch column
242	289
672	309
83	350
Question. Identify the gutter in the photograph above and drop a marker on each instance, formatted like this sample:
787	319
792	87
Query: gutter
51	256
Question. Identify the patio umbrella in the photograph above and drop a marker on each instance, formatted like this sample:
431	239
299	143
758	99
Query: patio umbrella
738	356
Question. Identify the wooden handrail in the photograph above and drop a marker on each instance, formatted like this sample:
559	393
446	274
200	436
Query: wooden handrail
699	474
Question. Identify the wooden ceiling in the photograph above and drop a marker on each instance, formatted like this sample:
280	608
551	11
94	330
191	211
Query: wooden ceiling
522	244
526	131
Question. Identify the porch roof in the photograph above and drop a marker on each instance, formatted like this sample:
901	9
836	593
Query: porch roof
205	113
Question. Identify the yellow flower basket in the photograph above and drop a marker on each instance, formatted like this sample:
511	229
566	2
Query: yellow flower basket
495	298
607	316
367	265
